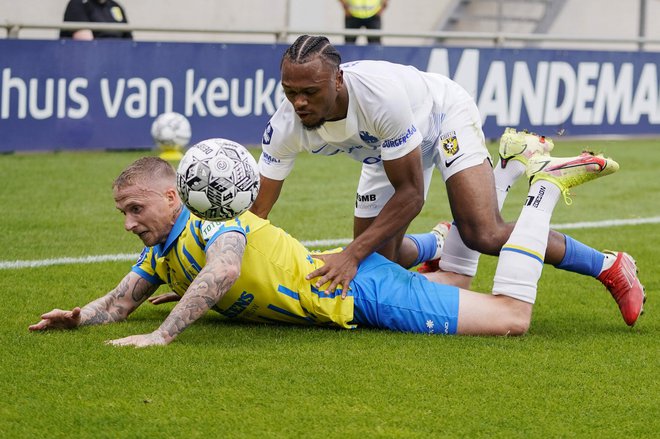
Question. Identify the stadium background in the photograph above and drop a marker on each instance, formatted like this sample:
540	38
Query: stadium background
596	80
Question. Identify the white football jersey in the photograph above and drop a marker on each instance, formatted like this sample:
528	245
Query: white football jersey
392	110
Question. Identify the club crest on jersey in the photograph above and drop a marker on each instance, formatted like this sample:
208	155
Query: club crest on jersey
449	143
367	137
268	134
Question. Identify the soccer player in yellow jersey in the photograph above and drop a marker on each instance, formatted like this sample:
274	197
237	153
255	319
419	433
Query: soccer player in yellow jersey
248	269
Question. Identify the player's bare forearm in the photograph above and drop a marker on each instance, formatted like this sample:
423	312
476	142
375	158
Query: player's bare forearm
406	177
222	268
396	215
405	174
269	192
115	306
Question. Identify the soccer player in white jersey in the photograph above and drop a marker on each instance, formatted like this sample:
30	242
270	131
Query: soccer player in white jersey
401	123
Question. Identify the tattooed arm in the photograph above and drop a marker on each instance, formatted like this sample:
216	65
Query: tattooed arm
223	266
115	306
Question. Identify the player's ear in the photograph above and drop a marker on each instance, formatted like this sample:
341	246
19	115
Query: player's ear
172	196
339	79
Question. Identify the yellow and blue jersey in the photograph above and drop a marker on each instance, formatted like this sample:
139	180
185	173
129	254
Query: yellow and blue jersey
272	285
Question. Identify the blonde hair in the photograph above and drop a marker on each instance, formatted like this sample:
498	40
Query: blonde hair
145	170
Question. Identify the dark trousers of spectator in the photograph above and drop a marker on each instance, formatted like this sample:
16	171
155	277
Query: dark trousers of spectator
358	23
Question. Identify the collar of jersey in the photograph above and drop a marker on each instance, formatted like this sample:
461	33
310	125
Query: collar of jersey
179	226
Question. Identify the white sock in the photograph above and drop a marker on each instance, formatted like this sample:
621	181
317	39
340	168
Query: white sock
505	178
440	242
521	259
457	257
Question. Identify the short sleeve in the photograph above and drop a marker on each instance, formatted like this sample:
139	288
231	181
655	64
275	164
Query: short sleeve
277	158
211	230
145	266
395	121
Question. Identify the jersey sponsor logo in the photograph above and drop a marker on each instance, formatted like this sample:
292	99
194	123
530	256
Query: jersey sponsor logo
365	201
449	143
269	158
393	143
367	137
239	306
210	228
365	198
366	207
268	134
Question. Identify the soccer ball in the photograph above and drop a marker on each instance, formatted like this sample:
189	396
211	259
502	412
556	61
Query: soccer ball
171	130
217	179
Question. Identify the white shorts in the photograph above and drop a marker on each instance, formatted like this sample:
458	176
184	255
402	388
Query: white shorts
461	145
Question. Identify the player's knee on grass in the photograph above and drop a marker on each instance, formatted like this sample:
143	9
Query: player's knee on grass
484	314
517	317
518	325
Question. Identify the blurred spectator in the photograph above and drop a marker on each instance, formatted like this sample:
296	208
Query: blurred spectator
363	13
94	11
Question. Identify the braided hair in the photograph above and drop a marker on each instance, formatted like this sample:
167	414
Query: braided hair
306	47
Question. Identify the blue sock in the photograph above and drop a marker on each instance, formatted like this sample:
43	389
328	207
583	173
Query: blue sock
582	259
427	245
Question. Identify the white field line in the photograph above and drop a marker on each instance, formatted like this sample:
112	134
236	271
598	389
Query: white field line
4	265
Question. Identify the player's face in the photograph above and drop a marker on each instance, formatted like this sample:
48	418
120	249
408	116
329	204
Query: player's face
313	90
148	212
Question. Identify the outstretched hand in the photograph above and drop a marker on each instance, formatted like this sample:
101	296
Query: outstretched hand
339	269
140	341
58	319
164	298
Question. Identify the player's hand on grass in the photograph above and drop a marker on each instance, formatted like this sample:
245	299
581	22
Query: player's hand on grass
339	270
140	341
164	298
58	319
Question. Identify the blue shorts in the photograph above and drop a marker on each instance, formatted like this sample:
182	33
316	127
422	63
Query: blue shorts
388	296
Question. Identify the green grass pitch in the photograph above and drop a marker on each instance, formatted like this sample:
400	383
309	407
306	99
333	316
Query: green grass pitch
580	372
